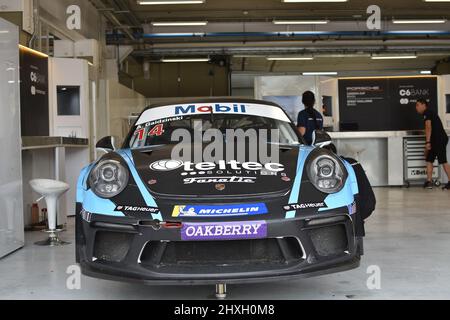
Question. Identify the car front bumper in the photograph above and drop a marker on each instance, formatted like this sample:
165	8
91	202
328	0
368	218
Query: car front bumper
127	249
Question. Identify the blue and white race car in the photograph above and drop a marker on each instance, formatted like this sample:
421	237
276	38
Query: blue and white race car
144	215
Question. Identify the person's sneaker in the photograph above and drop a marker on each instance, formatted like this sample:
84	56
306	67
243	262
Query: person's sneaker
447	186
428	185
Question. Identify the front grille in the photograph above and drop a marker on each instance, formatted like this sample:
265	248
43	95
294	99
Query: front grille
222	253
329	240
111	246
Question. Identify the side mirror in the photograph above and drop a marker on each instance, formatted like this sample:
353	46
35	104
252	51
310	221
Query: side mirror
106	144
321	138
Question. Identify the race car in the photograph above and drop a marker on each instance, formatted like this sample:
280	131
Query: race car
144	214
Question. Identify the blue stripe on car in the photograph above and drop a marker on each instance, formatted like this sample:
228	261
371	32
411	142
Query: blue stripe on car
149	200
295	191
344	197
81	183
92	203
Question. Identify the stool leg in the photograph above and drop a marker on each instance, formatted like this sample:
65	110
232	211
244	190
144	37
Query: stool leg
53	239
51	212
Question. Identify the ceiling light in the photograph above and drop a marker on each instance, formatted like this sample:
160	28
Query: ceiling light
32	51
320	73
163	2
437	0
288	58
313	1
393	57
411	21
300	21
425	72
179	23
186	60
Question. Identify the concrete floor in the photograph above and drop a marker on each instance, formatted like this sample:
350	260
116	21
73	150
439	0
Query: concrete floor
408	237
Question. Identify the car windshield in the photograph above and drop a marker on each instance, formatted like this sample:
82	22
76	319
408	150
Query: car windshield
156	127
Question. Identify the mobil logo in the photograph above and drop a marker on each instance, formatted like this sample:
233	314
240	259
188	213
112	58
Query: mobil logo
215	108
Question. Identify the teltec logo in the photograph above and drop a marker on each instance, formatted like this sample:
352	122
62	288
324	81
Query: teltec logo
217	108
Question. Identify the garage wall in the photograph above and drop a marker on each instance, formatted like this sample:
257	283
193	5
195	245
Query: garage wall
178	80
54	14
445	99
121	102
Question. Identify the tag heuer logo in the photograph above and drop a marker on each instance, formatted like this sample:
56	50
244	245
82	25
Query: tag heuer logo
166	165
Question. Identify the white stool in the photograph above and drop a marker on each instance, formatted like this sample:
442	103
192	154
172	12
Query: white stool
50	190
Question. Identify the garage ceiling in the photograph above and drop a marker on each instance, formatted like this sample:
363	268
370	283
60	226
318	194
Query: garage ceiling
245	10
242	32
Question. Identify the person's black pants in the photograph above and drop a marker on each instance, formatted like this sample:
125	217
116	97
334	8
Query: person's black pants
439	151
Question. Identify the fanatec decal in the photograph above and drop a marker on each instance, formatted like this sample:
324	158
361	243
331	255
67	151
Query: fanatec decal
232	179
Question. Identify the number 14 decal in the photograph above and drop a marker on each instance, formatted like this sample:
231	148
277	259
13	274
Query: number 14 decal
157	131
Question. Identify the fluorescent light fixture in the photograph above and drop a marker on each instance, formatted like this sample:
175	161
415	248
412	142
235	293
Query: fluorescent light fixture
38	53
425	72
186	60
162	2
300	21
393	57
179	23
289	58
411	21
437	0
312	1
320	73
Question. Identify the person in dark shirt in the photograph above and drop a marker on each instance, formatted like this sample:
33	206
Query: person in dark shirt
436	142
309	119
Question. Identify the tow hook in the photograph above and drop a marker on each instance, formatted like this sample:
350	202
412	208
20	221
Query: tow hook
221	291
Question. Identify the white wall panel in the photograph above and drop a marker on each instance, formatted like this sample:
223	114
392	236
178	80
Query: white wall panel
11	217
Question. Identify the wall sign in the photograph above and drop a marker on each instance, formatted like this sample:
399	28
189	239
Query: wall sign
380	104
33	93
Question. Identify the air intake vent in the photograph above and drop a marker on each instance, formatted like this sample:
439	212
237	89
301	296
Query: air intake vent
220	253
330	240
111	246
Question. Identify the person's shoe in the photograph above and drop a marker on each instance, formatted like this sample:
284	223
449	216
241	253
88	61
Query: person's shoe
428	185
447	186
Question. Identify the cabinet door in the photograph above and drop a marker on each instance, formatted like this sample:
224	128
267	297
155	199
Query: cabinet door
11	205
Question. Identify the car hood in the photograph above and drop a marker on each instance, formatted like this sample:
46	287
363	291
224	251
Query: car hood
226	179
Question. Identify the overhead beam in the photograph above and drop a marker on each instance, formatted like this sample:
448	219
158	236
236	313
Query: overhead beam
110	16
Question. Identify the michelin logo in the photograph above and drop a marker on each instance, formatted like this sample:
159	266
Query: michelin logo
219	211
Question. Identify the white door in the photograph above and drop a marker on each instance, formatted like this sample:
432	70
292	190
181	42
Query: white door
11	212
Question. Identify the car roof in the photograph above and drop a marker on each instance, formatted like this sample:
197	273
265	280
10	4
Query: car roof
212	100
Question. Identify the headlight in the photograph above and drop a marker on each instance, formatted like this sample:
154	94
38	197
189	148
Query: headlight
108	178
326	173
